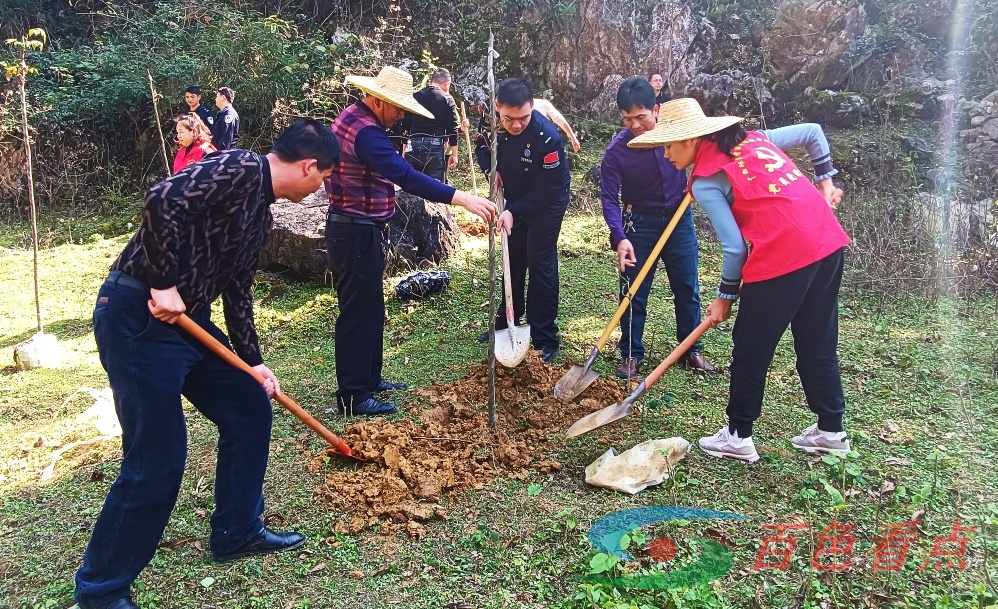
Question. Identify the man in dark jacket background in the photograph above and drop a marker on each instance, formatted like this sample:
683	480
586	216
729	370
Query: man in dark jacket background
428	136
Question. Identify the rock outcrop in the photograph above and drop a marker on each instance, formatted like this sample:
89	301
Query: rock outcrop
420	234
817	43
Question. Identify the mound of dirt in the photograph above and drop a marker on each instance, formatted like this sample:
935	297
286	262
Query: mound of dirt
414	464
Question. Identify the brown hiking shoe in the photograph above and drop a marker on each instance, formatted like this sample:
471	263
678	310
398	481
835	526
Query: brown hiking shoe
628	368
695	361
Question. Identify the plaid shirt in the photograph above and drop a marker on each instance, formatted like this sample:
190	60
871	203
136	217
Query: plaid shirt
203	229
362	185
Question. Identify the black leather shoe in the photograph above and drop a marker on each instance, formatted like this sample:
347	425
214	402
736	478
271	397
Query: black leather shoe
549	353
267	542
370	407
386	386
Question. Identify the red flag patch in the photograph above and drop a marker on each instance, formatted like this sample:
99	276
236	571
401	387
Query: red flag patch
551	157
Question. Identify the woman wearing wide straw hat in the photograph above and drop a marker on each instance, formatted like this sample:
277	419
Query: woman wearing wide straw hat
361	202
753	192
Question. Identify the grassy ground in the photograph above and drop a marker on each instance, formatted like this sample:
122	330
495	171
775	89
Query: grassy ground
920	380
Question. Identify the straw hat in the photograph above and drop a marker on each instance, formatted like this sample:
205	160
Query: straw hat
393	86
681	119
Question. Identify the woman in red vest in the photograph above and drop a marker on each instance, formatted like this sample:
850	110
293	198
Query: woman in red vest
194	138
753	192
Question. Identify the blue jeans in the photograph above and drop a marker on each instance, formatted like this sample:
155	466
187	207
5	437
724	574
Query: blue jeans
150	364
681	255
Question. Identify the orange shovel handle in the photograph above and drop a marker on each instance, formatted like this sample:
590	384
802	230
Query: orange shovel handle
677	353
187	324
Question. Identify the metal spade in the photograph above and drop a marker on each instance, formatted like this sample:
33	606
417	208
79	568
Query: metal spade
513	342
615	412
579	378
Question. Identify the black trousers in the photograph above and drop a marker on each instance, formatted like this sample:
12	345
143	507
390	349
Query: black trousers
357	261
807	301
427	156
533	248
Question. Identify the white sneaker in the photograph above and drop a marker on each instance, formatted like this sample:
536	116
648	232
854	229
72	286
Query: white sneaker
813	440
722	444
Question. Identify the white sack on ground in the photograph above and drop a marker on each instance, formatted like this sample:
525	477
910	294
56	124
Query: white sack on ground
634	470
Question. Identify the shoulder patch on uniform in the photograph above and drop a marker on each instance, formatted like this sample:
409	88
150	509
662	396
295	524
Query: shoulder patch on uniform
211	121
228	118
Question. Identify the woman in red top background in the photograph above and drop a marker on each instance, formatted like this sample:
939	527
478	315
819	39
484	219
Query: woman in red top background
752	192
194	138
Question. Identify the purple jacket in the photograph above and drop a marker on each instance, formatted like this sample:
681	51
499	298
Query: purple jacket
640	177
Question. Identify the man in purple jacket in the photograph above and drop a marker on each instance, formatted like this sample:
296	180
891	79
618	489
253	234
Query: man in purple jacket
641	191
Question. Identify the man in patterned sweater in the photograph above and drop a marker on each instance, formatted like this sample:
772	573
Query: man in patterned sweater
201	235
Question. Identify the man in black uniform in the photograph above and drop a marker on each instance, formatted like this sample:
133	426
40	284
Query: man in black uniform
192	95
534	173
428	135
225	131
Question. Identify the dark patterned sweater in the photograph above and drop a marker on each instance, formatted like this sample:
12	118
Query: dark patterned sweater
203	229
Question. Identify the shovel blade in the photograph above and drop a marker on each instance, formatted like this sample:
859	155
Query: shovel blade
512	345
575	381
599	418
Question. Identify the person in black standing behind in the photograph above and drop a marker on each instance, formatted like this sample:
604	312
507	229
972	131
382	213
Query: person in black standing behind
661	93
192	95
225	131
427	136
533	170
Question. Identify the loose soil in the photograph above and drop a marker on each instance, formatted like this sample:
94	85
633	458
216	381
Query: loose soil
473	229
447	448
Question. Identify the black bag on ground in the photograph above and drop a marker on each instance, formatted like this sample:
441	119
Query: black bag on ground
421	284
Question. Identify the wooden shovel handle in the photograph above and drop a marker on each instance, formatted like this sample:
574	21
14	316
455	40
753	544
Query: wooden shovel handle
677	353
652	260
187	324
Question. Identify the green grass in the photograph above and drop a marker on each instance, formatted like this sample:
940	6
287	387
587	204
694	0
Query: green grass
928	368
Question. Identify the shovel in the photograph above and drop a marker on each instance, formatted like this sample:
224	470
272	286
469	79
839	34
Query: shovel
513	342
579	378
187	324
615	412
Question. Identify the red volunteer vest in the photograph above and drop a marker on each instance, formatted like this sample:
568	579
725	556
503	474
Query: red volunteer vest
786	221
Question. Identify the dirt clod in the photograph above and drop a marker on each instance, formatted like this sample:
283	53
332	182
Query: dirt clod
447	448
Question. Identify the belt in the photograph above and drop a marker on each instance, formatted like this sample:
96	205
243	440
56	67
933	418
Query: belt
433	139
127	281
651	211
352	220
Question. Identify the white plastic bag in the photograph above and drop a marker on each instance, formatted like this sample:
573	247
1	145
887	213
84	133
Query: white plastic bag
634	470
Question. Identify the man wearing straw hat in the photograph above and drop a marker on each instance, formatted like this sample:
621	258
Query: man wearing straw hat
753	192
651	190
361	202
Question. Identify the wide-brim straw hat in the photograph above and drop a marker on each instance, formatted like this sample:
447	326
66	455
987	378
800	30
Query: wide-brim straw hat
393	86
681	119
